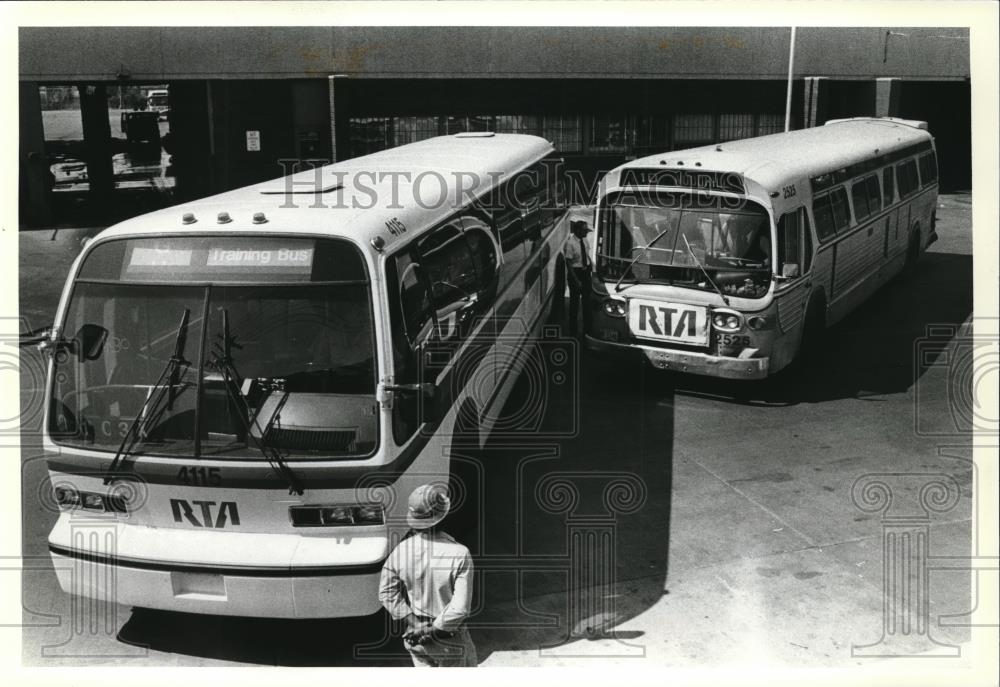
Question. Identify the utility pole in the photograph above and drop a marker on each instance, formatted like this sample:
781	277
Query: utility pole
788	94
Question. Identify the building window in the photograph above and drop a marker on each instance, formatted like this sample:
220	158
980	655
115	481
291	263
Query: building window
691	129
413	129
735	126
610	134
565	133
770	124
369	134
458	125
517	124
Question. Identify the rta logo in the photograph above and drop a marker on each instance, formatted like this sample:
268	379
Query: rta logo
226	515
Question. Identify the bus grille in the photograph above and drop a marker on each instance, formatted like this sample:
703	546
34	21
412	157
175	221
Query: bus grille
343	440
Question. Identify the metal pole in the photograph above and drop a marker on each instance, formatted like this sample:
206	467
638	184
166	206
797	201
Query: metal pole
788	94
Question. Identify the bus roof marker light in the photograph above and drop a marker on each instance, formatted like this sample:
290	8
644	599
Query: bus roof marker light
378	243
188	218
718	149
223	218
259	218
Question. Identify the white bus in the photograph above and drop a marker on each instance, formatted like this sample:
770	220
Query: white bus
728	260
158	101
243	390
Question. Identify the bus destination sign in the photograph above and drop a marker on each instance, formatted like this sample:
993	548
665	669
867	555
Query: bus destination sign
725	182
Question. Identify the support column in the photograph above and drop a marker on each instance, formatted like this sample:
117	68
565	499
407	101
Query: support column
97	139
33	166
814	101
331	81
887	97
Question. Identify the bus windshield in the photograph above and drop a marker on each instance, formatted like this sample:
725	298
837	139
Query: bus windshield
288	361
675	238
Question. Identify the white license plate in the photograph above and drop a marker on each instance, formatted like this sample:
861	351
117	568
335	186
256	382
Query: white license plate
668	321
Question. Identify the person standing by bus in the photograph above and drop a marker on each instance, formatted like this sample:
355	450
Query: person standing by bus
576	251
427	581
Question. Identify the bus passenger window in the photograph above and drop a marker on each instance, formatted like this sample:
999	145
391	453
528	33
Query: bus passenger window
859	196
838	204
874	197
928	169
906	173
824	217
451	272
887	186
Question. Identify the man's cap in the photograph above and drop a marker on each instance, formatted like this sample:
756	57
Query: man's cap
428	505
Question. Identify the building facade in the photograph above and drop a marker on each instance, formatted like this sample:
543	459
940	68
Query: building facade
245	102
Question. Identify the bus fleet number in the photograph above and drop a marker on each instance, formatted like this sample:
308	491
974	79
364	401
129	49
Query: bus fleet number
200	477
788	191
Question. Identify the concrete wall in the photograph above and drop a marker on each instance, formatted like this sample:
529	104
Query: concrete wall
167	53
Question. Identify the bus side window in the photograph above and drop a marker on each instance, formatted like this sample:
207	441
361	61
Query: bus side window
906	174
824	217
887	186
874	196
447	261
789	243
510	228
859	197
838	204
928	169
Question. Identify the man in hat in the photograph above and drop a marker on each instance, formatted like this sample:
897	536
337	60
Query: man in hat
576	252
427	581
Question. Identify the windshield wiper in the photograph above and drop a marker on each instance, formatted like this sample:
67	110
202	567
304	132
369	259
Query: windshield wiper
704	271
222	360
151	411
642	251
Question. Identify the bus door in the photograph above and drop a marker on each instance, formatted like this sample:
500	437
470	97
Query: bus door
794	266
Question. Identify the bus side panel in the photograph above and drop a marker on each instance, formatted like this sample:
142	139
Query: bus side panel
855	273
791	305
518	330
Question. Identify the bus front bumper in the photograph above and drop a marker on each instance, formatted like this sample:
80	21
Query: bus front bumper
686	361
100	566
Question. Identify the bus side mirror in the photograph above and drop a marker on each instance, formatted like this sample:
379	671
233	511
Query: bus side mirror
88	344
789	270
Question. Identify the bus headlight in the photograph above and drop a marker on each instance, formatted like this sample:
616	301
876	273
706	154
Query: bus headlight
615	308
336	516
67	497
727	320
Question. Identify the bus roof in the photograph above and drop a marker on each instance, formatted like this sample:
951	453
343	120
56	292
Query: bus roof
358	197
777	159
